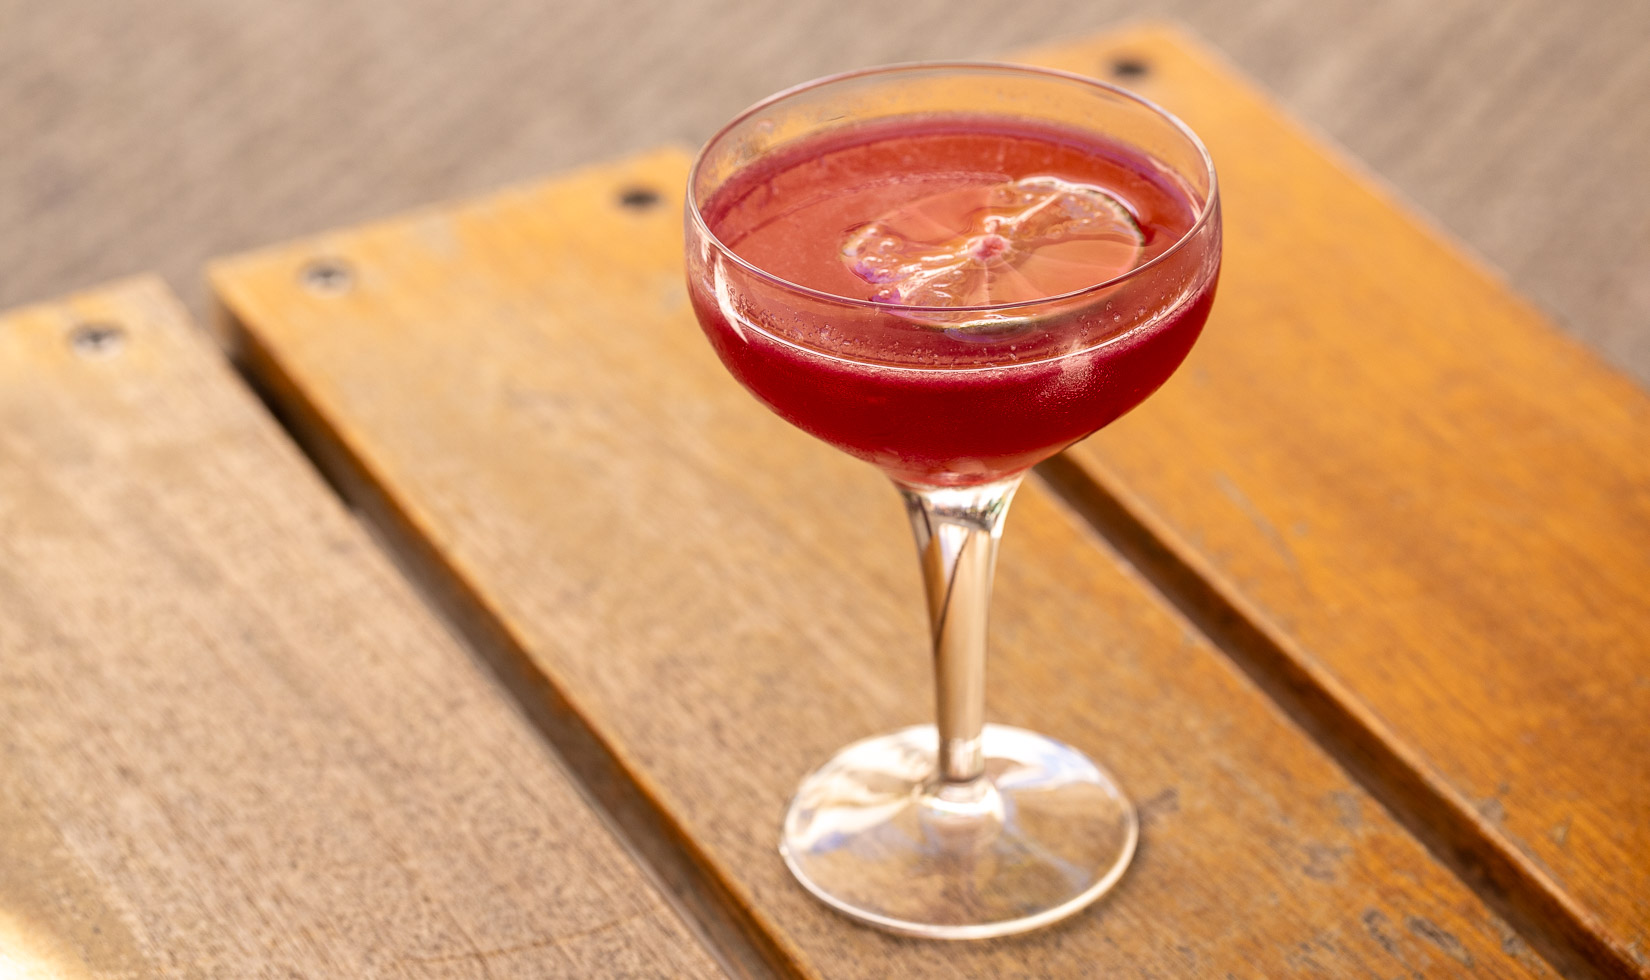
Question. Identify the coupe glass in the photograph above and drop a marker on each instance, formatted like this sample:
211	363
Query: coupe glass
962	829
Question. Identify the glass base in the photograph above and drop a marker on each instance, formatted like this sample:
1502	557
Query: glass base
873	835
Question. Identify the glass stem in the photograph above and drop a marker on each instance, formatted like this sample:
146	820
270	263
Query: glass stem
957	531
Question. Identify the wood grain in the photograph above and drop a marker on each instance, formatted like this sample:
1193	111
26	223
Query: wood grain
1430	509
232	741
515	390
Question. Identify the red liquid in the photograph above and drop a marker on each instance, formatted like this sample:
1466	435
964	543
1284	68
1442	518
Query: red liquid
935	406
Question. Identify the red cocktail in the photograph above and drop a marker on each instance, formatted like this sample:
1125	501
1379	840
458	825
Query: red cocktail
942	400
954	271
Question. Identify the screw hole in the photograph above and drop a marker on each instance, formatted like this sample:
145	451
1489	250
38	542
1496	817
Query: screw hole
97	339
328	277
1130	68
638	198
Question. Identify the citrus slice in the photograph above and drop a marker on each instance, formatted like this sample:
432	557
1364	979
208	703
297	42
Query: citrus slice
1002	243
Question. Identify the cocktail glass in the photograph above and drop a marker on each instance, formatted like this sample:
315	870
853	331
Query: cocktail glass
961	829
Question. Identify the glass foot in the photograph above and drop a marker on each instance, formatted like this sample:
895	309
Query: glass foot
873	836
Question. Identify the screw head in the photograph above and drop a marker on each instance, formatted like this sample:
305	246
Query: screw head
1127	67
638	198
329	277
97	339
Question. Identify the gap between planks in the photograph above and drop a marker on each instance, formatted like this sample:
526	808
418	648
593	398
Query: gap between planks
1448	825
722	924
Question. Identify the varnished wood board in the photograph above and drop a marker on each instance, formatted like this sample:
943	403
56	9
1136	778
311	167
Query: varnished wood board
1434	507
517	391
233	743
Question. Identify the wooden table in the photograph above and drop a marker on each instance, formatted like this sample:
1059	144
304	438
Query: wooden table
1355	608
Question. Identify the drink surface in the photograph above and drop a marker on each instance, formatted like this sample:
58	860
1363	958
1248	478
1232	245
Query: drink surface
930	219
933	179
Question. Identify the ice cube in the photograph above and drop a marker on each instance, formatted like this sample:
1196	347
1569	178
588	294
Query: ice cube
1003	243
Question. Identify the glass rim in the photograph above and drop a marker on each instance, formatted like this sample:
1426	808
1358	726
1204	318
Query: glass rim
1208	207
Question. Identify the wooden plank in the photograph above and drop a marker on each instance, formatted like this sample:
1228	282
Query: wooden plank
232	741
1430	511
516	391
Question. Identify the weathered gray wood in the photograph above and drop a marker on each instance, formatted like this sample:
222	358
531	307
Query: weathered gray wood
232	741
134	134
